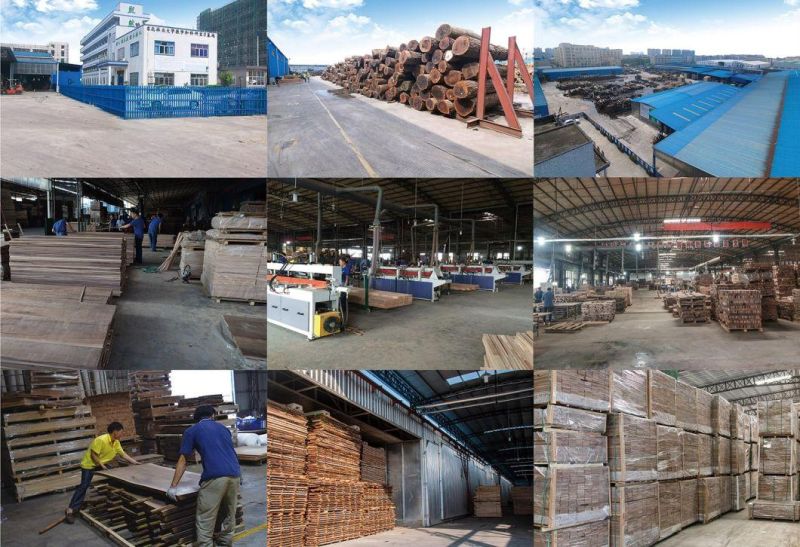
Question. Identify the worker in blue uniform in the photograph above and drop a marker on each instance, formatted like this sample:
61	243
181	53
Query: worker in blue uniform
153	229
137	224
219	482
61	227
347	268
548	299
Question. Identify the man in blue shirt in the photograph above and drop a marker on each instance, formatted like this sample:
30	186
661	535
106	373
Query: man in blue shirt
153	230
548	300
61	227
138	234
219	483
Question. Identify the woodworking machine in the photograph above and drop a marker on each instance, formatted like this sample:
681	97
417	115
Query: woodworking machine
485	276
424	283
517	271
304	298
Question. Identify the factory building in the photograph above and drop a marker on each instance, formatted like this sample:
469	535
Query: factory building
735	64
32	69
752	134
671	56
277	62
565	150
58	50
582	72
676	108
574	55
241	29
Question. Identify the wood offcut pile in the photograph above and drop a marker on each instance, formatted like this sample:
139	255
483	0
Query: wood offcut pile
740	310
235	257
598	310
437	73
487	501
505	352
384	300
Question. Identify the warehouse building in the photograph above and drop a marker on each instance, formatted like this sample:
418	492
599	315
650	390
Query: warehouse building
50	419
565	150
399	271
550	74
32	70
675	273
687	458
196	301
540	101
753	134
575	55
676	108
418	457
57	50
671	56
277	62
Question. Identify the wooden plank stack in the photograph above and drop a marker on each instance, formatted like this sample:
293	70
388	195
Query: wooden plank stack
522	500
486	501
760	277
193	246
740	310
373	464
694	307
438	74
377	509
598	310
383	300
333	449
114	407
505	352
587	389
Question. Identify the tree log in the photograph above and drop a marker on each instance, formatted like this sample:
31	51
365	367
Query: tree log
410	58
453	77
404	98
436	76
413	45
405	86
428	43
467	47
470	70
445	107
451	96
445	43
430	104
417	103
423	82
390	51
465	107
425	94
439	92
437	56
466	89
444	66
454	32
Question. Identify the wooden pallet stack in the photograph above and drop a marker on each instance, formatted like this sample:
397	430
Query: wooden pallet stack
598	310
522	500
437	73
694	308
505	352
114	407
287	482
778	487
740	310
193	246
373	464
486	501
235	258
785	278
761	278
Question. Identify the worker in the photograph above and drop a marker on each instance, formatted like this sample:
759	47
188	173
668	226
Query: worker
306	76
344	263
219	482
103	451
61	227
548	299
137	224
153	229
537	295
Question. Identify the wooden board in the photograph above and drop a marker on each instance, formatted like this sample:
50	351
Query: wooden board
379	299
154	478
632	448
504	352
463	287
569	495
250	336
587	389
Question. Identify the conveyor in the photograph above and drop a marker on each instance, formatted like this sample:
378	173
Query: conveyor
484	276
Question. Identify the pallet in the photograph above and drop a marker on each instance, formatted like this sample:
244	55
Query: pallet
734	329
568	327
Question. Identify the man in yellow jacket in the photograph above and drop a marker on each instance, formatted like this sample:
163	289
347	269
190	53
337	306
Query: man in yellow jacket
103	450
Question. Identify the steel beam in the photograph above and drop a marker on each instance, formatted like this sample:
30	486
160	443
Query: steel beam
749	381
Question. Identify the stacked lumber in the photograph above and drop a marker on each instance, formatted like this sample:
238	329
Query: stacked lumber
377	509
333	449
634	514
760	277
563	417
713	497
694	307
193	246
486	501
739	310
661	397
583	388
689	502
41	389
235	258
438	74
598	310
522	500
333	513
565	311
505	352
373	464
778	488
690	453
569	495
632	448
114	407
629	392
774	511
789	309
591	534
670	453
35	336
670	517
555	446
721	416
384	300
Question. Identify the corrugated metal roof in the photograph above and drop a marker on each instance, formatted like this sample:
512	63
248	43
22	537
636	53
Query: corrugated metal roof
719	73
34	57
786	162
682	112
670	96
735	139
745	78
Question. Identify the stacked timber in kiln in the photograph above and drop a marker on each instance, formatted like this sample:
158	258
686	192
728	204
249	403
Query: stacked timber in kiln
193	246
778	489
437	73
599	310
373	464
235	258
739	310
487	501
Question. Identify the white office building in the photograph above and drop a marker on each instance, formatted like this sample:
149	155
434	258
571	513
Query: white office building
58	50
123	49
576	55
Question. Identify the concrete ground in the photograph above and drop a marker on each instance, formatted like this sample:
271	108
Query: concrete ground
647	336
620	165
317	131
465	532
21	521
171	325
48	135
437	335
735	530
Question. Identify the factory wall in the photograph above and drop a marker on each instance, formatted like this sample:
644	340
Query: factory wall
277	62
575	163
250	391
405	477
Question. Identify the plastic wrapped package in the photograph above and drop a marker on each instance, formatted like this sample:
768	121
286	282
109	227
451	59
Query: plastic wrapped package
778	456
738	421
703	405
689	513
747	457
709	497
575	419
740	458
562	446
755	457
748	428
689	448
748	481
721	455
738	492
776	418
705	467
754	483
685	406
629	392
235	271
632	448
670	453
721	416
239	222
726	500
755	430
777	487
669	508
661	397
587	389
569	495
774	511
192	257
591	534
634	514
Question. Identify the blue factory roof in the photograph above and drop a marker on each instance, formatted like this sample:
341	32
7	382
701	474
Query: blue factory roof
736	139
677	108
745	78
579	70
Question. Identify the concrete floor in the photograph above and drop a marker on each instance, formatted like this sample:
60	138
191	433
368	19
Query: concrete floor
437	335
172	325
466	532
735	530
48	135
647	336
315	131
22	521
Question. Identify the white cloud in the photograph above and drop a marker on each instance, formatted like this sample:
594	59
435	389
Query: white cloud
626	19
81	23
334	4
156	20
47	6
30	26
297	24
344	22
612	4
792	2
520	2
574	22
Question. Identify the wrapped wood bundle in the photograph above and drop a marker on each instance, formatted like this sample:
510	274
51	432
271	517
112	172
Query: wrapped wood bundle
739	310
726	501
709	497
629	392
739	420
234	268
239	222
569	495
704	404
487	501
777	487
738	492
588	389
591	534
685	406
562	446
634	511
669	508
522	500
755	430
562	417
670	453
632	448
754	483
705	467
598	310
721	416
740	457
689	512
661	397
689	447
776	418
778	456
721	455
755	457
748	447
775	510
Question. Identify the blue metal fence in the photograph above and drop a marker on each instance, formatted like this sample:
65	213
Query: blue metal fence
134	102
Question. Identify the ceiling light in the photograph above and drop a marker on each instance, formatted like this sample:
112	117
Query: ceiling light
568	248
540	240
638	246
637	236
681	220
715	238
519	247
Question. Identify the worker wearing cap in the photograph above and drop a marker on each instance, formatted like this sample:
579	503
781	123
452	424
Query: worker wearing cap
153	229
137	224
219	482
103	450
61	227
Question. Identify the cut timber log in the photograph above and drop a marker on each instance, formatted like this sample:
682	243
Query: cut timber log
469	48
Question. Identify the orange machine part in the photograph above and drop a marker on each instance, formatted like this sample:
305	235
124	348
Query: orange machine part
288	280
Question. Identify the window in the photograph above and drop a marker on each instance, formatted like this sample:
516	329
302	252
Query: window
256	77
165	48
164	78
199	50
199	79
134	78
121	54
135	49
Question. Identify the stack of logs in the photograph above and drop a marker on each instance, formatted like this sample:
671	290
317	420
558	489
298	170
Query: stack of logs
438	74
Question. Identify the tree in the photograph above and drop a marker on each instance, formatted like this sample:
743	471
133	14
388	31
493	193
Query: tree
225	79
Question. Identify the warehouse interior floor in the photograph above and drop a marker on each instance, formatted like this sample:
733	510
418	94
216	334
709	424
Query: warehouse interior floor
735	530
442	335
647	335
314	130
467	532
161	324
22	521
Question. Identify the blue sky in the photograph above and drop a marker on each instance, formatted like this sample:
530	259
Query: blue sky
68	20
327	31
709	27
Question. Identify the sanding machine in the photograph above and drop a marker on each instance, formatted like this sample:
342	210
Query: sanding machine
424	283
517	271
485	276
